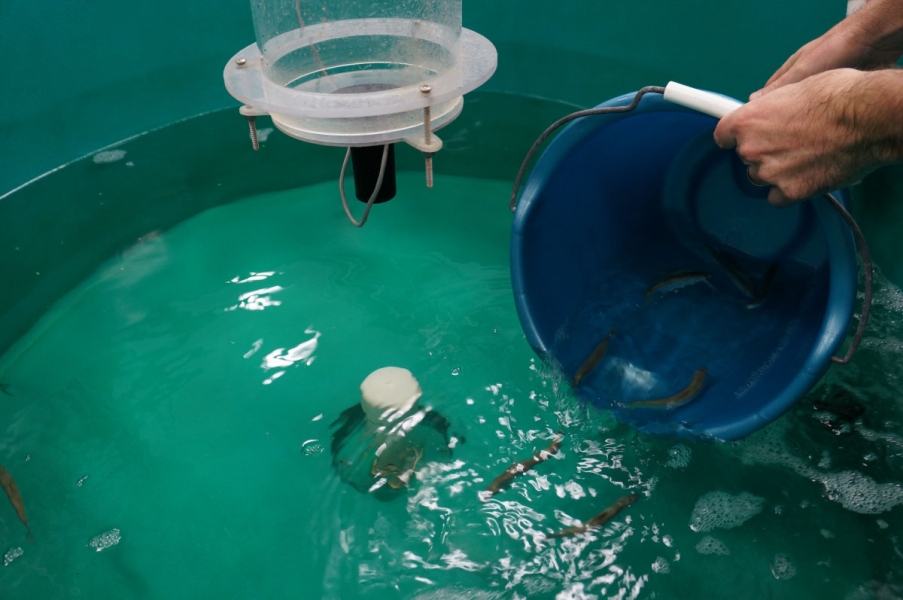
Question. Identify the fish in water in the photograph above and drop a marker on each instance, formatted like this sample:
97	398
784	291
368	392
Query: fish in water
741	278
764	285
398	478
524	465
678	399
678	279
592	361
599	520
4	387
15	498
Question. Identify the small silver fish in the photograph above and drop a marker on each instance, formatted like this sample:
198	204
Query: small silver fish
15	498
524	465
601	519
397	477
678	279
590	363
678	399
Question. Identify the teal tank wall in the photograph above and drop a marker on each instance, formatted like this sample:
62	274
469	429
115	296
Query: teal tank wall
80	76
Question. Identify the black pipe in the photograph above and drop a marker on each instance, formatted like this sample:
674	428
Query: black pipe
366	161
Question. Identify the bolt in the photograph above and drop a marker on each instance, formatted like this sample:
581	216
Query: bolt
427	126
428	157
240	61
253	126
427	136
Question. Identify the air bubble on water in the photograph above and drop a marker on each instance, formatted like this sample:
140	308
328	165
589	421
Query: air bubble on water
263	134
11	555
720	510
782	568
827	534
882	524
105	540
661	565
108	156
311	447
679	456
81	481
456	371
710	545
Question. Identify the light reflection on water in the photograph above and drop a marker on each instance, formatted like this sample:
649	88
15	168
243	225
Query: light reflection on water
242	476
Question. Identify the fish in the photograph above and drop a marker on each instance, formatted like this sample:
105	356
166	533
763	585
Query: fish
524	465
678	279
399	481
601	519
764	285
396	477
741	278
15	498
678	399
4	387
593	360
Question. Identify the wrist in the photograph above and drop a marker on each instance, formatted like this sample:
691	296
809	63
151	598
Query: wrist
878	25
877	108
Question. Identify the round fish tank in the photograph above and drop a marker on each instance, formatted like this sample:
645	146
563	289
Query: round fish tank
186	324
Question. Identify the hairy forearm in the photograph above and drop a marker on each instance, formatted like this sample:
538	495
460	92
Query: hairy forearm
819	134
875	109
877	25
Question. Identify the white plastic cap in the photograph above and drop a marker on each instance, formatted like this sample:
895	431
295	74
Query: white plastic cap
388	392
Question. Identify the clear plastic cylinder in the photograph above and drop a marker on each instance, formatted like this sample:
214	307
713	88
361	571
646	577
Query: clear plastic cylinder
356	46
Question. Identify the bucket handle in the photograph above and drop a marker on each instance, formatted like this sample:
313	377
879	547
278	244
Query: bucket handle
868	276
717	106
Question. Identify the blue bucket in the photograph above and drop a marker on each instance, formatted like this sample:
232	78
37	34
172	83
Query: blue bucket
615	204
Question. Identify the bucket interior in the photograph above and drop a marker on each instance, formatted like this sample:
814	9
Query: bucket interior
618	206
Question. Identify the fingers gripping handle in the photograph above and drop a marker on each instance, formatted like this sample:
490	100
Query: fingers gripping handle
709	103
720	106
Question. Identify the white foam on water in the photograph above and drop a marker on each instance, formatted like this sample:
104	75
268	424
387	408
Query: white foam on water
679	456
11	555
661	565
851	489
861	494
720	510
105	540
264	134
710	545
782	568
109	156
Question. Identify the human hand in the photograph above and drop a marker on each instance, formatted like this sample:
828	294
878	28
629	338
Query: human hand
871	38
817	135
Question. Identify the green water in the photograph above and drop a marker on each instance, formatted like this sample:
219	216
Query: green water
183	396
